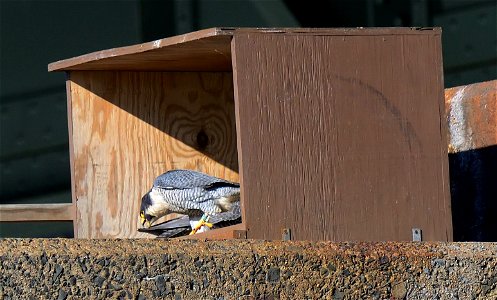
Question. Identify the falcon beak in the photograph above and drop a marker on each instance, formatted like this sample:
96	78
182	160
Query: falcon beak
143	221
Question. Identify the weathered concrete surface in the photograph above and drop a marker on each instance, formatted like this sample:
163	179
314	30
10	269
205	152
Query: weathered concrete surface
241	269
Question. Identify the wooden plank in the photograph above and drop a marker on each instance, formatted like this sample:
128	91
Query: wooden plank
129	127
36	212
231	232
204	50
342	139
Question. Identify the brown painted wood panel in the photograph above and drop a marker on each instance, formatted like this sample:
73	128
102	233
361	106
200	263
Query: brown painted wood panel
340	137
129	127
36	212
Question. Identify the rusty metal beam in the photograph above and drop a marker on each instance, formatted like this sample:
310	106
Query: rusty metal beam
472	116
472	121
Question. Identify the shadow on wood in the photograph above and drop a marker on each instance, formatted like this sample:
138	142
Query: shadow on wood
196	109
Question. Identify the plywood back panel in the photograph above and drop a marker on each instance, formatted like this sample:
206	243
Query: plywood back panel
340	137
129	127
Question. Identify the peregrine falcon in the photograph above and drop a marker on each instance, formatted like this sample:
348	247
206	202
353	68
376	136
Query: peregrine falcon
190	193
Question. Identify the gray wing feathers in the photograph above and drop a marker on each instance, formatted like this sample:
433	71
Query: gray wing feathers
183	221
230	215
187	179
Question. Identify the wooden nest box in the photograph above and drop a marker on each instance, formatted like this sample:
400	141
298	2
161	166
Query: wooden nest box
334	134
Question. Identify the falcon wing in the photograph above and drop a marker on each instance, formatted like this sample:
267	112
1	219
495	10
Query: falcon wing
183	221
232	215
169	228
174	232
187	179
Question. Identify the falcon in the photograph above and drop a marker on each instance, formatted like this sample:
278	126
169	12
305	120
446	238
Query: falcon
190	193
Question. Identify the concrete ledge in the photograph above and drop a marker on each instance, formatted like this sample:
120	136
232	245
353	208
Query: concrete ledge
188	269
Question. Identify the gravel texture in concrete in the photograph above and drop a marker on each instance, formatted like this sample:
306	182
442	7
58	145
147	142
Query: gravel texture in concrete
244	269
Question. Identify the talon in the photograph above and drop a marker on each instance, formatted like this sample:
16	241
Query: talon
202	222
208	224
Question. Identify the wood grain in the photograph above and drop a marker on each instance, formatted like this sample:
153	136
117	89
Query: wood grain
340	137
129	127
36	212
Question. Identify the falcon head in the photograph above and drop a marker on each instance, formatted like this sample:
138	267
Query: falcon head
152	208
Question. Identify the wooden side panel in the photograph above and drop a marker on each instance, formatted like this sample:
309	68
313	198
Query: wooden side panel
340	137
129	127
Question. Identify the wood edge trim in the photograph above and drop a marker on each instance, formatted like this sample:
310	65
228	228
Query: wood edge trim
71	152
239	147
444	149
36	212
345	31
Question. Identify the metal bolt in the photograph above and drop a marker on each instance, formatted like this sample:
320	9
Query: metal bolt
416	235
286	234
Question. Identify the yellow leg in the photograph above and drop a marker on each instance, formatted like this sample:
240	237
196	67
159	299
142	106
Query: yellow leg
202	222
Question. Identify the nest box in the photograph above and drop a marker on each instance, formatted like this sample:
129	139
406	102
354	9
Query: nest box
334	134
